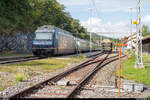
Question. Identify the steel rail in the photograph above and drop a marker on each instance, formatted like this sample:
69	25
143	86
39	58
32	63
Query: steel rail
85	79
94	55
19	60
52	79
15	57
82	66
13	60
46	82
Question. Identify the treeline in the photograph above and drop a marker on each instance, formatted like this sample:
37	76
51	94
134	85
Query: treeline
145	30
26	15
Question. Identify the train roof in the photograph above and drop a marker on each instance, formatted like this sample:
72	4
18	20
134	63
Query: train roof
107	41
86	41
146	37
51	28
46	28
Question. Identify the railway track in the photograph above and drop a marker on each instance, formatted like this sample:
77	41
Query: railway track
17	59
90	75
77	76
14	60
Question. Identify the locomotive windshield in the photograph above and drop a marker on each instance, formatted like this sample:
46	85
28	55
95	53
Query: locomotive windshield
43	36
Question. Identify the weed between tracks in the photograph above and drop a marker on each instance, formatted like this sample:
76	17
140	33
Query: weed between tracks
19	77
9	74
139	75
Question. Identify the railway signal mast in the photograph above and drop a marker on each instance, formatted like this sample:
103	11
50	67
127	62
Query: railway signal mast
138	53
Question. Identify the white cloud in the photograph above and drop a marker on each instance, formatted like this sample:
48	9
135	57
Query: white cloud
74	2
106	5
93	24
98	26
146	19
92	21
109	6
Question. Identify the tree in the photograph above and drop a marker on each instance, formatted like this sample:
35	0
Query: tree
145	30
26	15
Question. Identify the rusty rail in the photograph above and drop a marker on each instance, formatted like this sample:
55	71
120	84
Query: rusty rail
84	80
52	79
15	60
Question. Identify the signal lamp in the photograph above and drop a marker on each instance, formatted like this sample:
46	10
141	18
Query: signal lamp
135	22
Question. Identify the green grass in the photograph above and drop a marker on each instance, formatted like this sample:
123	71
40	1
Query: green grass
138	75
19	77
48	64
127	52
148	97
8	54
29	69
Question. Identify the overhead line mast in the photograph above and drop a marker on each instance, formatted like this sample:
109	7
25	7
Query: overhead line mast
95	8
138	53
98	14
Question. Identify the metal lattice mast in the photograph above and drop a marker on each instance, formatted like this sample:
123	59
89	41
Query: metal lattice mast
139	60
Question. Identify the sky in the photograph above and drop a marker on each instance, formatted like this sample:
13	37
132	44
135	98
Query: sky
109	17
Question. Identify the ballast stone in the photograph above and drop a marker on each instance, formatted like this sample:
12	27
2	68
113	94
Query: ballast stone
133	87
114	90
63	82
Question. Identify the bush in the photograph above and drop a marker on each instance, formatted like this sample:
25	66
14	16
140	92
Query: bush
148	97
19	77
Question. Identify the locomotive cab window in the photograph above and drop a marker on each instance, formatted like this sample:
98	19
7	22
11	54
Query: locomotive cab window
44	36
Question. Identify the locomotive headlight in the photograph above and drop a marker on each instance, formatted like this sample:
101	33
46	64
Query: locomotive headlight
36	42
48	43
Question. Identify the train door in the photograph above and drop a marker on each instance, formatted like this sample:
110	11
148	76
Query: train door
76	45
56	42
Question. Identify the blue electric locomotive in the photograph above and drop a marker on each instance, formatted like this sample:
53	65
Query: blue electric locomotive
50	40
